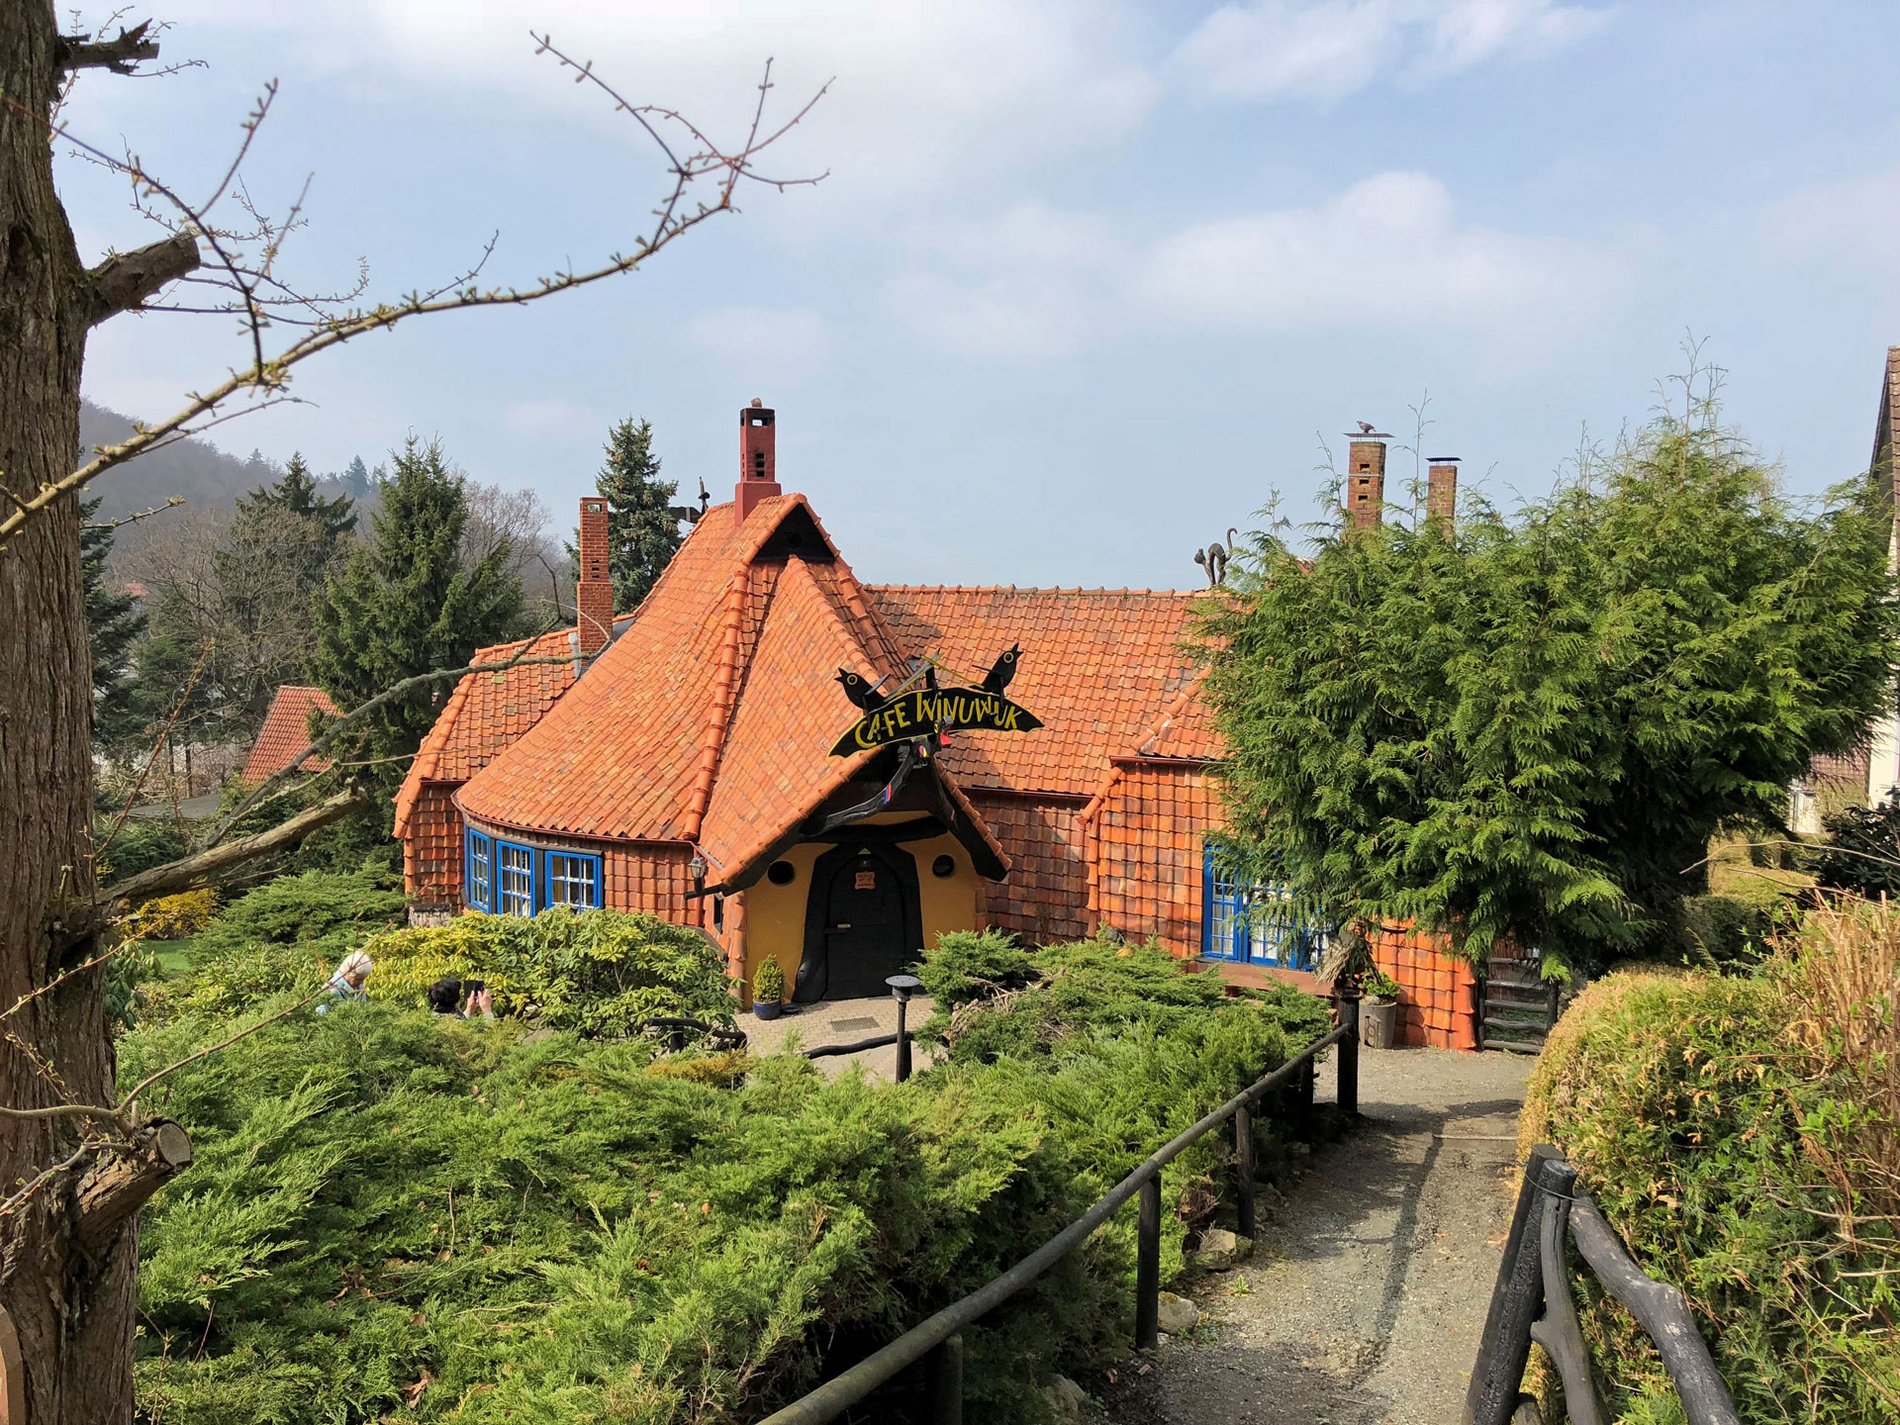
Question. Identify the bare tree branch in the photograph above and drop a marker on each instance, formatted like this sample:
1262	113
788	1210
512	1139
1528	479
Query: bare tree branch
335	729
119	54
125	279
202	867
266	375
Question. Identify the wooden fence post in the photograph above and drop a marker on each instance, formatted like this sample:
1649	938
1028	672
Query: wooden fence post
1506	1343
1349	1055
1148	1267
946	1382
1243	1173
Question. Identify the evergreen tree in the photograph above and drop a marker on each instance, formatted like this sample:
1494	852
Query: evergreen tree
355	477
409	602
113	624
642	532
296	493
1528	729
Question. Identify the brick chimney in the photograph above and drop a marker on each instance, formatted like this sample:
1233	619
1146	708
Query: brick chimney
1365	483
758	458
594	595
1441	491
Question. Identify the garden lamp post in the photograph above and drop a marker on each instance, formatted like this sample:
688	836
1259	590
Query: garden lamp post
902	988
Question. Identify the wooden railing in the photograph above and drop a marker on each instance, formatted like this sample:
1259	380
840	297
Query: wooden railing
938	1342
1532	1303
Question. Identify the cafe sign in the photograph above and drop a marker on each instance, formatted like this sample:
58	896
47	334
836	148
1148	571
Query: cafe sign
929	711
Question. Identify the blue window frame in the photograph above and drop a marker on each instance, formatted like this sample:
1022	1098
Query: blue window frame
480	880
1254	924
571	878
514	879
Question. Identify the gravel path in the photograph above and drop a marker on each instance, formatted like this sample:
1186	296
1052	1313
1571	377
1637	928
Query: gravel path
1364	1300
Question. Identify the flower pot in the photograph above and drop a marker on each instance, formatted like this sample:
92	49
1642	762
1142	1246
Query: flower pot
1379	1023
767	1008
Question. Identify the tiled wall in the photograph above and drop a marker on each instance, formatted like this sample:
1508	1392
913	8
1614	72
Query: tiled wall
1045	897
432	849
1436	989
1146	842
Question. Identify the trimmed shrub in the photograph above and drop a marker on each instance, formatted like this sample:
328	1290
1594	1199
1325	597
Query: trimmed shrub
326	911
1704	1127
396	1216
173	917
599	972
995	999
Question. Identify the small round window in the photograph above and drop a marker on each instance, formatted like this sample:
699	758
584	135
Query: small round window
781	873
944	866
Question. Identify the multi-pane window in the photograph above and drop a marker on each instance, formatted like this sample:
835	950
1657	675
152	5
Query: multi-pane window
481	871
515	881
1255	923
573	879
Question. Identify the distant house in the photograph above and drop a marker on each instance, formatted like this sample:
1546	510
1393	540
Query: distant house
700	759
286	732
1865	776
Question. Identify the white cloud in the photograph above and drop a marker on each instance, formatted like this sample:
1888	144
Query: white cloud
1036	283
1025	285
925	93
764	338
1389	248
1858	216
1273	49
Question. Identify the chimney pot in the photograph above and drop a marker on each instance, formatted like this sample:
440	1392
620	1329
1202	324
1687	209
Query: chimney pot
594	594
758	458
1365	484
1441	491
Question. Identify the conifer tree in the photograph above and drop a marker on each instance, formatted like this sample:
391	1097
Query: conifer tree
409	602
296	493
1528	728
113	624
643	533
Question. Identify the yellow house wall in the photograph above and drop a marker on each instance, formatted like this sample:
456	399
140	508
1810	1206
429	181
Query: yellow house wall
775	915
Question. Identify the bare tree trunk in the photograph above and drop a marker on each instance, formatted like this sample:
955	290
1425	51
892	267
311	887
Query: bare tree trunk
70	1292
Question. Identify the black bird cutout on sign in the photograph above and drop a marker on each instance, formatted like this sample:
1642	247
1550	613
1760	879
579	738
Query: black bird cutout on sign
1002	670
860	692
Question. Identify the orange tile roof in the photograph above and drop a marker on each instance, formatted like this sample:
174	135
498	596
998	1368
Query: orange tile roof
631	753
286	731
709	718
773	769
1100	667
487	711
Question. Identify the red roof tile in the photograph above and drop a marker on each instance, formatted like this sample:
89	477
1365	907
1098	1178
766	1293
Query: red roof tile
1100	667
632	751
709	718
487	711
286	731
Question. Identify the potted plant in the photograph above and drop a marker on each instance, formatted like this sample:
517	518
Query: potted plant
768	989
1379	1010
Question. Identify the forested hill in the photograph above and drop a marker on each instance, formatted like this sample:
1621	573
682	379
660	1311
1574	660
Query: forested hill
194	469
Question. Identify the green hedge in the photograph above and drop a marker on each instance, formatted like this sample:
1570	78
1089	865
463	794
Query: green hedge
392	1216
1700	1124
599	972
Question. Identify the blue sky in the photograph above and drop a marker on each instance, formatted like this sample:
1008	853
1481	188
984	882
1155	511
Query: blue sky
1087	280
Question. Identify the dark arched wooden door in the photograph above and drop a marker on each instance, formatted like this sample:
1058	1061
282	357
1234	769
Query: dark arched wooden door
862	923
